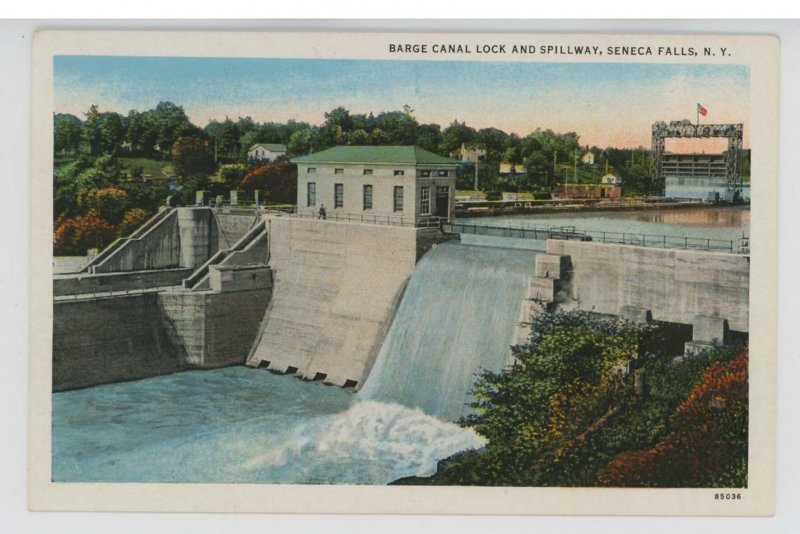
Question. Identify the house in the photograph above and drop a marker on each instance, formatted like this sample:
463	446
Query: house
266	152
469	154
588	158
404	185
610	179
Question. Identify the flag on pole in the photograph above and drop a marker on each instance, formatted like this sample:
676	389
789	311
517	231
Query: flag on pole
701	110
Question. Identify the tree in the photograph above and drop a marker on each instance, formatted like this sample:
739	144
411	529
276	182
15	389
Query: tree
67	133
131	220
429	137
170	122
709	444
301	142
455	135
277	181
109	203
104	132
193	158
75	236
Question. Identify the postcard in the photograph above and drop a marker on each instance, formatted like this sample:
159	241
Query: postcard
404	273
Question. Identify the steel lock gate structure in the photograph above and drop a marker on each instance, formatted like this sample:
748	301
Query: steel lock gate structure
685	129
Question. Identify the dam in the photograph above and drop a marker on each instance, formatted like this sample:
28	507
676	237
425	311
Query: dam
434	321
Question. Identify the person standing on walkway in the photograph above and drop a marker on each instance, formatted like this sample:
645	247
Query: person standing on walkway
322	213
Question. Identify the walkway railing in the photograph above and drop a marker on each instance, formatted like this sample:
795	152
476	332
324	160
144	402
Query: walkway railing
739	246
428	221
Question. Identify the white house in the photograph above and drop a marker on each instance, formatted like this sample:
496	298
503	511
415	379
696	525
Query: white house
404	185
610	179
266	152
470	153
588	158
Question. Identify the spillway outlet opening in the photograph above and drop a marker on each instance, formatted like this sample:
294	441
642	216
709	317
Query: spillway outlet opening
320	376
350	384
291	370
263	364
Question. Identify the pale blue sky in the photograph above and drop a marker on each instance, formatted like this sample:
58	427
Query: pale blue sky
606	104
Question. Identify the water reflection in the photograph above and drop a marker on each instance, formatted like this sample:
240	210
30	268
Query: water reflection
714	217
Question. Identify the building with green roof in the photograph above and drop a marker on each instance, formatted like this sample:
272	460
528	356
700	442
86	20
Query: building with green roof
404	185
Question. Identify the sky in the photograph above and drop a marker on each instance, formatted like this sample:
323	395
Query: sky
607	104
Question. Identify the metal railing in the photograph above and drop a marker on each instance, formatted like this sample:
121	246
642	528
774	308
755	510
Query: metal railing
427	221
740	246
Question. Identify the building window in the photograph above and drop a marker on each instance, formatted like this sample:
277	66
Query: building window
399	173
367	196
442	173
338	171
312	193
367	171
398	198
338	195
425	201
425	174
311	170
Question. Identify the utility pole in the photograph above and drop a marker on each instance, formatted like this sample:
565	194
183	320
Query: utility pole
476	172
575	167
555	162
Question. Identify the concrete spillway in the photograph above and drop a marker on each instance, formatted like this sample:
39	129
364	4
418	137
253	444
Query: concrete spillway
458	316
336	286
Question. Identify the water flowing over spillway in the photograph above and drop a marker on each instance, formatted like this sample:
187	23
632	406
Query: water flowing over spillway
457	317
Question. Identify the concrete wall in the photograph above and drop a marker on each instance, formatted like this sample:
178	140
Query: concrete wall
676	285
157	248
186	237
102	340
233	226
336	288
217	329
81	283
199	236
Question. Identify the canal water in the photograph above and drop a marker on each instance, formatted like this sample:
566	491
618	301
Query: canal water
248	425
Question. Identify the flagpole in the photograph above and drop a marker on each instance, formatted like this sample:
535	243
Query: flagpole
698	114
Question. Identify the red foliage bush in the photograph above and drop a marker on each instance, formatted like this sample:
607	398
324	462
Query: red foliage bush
278	181
77	235
709	438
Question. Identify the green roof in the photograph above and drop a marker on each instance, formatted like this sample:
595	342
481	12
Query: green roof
401	155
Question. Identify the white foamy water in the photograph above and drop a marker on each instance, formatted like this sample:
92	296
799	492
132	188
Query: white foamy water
375	442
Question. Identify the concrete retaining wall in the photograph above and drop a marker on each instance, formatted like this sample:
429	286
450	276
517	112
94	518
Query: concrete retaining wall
676	285
217	329
102	340
233	226
157	248
75	284
336	288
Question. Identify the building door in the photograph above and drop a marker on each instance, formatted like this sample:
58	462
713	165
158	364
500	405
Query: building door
443	202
